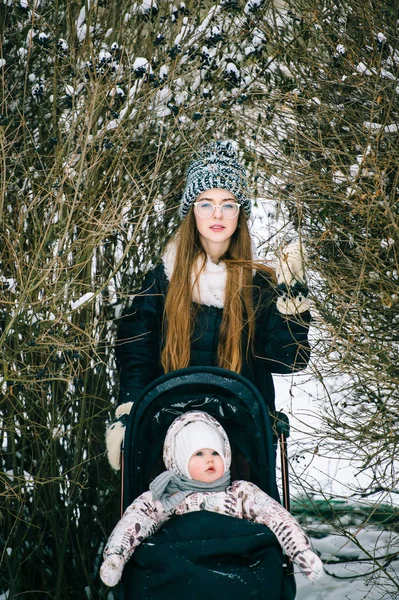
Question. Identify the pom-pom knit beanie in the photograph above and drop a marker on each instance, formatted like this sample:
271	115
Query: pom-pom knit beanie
216	167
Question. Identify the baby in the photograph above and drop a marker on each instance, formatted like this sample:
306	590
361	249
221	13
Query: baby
197	456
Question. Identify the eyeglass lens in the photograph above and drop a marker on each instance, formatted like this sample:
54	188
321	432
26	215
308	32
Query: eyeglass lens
206	209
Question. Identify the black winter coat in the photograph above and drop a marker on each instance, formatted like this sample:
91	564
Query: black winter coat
281	342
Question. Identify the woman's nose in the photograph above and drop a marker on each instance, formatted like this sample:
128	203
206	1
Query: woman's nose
215	213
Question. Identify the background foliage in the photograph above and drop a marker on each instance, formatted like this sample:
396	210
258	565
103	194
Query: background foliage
102	105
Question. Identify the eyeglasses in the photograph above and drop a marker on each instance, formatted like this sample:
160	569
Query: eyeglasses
205	209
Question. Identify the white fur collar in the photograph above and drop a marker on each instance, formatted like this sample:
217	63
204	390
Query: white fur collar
211	284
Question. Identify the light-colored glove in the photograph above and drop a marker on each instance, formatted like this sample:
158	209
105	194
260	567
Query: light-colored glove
115	435
310	564
111	570
291	280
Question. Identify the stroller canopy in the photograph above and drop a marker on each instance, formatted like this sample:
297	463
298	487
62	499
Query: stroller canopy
227	396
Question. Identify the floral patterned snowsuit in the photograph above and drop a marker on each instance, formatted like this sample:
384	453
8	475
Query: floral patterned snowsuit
243	500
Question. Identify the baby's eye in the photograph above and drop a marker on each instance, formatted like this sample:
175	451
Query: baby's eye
214	453
199	453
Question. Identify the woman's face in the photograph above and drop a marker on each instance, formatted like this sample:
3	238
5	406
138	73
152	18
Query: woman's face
216	231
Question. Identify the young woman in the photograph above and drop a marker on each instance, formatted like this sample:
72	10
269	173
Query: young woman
209	302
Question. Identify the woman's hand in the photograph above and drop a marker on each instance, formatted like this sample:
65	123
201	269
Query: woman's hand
115	435
291	279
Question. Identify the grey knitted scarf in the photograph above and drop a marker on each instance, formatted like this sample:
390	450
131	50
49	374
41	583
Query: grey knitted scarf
171	489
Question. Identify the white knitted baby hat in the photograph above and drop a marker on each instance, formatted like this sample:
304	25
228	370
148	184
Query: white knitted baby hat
193	437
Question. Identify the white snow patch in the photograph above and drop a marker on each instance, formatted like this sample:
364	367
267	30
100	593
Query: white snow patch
258	38
147	5
231	68
112	125
81	32
63	44
140	63
116	91
30	35
386	243
285	71
392	128
104	55
163	71
249	49
82	300
251	6
81	18
362	68
339	177
387	74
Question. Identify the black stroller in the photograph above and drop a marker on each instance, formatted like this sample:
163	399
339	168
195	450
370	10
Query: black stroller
204	555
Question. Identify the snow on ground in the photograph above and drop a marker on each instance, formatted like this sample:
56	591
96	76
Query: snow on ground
342	581
332	477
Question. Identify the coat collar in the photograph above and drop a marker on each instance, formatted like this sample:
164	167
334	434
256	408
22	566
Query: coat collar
210	286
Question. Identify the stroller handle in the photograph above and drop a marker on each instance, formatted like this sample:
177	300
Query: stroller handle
283	432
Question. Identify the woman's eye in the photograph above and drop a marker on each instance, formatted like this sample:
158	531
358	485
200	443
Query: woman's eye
205	205
229	206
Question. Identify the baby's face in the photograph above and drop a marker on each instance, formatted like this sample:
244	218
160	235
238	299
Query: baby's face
206	465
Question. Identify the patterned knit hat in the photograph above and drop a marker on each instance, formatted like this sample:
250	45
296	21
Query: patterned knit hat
216	167
189	433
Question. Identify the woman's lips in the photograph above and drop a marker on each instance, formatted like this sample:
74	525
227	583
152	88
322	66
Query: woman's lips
217	227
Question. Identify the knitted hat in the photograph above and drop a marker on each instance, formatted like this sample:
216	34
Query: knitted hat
189	433
216	167
192	438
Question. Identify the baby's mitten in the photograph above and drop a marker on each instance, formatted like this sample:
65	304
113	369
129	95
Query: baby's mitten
291	280
116	433
111	570
310	564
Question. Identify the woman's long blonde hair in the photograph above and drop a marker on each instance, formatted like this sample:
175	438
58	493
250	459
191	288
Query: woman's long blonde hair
238	311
